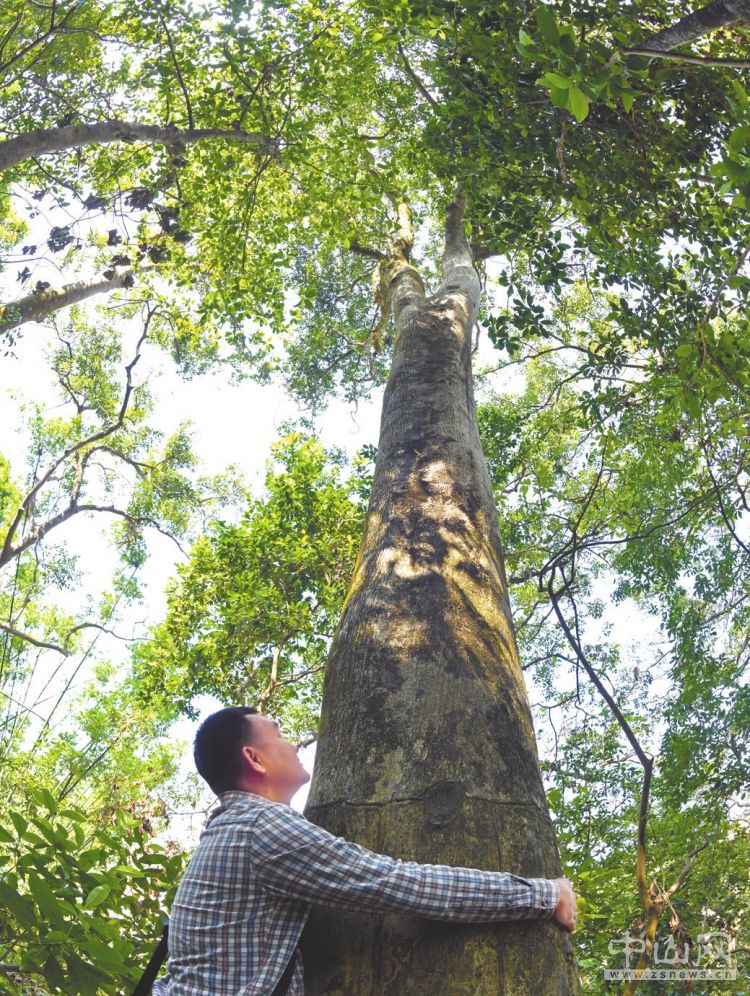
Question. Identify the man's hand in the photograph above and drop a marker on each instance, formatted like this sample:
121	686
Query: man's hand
565	912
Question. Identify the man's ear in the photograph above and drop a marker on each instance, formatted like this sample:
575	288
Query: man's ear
253	760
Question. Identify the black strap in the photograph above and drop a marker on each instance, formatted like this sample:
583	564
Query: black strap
282	986
158	957
157	960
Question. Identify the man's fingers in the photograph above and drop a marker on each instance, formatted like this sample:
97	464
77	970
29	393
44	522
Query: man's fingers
566	913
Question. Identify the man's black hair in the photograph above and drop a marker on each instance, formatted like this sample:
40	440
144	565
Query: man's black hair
218	746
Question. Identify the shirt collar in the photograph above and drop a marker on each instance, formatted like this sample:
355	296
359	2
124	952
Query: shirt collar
238	797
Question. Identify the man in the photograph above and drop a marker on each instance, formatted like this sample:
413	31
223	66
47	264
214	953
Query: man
259	866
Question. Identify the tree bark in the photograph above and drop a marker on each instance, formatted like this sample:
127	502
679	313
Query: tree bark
717	14
426	748
37	306
44	140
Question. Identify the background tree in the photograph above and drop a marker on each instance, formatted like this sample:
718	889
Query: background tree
87	782
250	617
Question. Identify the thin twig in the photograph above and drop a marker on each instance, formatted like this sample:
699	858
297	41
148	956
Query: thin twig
180	80
417	81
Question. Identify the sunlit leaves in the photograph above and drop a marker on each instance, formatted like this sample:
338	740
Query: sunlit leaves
81	903
251	616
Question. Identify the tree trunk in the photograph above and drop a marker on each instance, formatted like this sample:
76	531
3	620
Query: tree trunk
717	14
426	748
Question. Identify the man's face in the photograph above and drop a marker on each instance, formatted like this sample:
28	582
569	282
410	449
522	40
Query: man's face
283	768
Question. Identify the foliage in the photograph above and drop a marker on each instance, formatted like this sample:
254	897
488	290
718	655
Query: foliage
98	453
606	473
93	753
251	615
81	902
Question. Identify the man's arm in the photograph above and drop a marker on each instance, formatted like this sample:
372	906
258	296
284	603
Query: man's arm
299	860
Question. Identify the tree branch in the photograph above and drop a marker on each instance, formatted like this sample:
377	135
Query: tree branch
28	638
38	306
9	551
40	39
717	14
686	867
145	520
417	81
44	140
645	760
180	80
689	58
360	250
722	508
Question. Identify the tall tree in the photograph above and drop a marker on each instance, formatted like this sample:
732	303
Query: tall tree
426	747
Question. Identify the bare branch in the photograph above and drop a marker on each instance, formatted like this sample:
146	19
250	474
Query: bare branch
645	760
689	58
92	625
28	638
44	140
686	867
39	305
416	80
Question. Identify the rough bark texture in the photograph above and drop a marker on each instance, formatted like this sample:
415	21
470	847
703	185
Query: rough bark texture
426	748
39	305
700	22
44	140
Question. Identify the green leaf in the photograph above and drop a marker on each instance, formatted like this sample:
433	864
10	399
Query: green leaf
627	97
103	955
741	95
739	138
53	973
20	906
94	856
73	814
547	25
96	897
46	900
49	800
53	836
18	822
554	797
85	977
559	97
556	80
578	103
525	40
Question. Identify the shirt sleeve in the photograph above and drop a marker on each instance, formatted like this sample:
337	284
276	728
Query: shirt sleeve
299	860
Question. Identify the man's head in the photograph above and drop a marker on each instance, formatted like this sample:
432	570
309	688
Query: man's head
237	748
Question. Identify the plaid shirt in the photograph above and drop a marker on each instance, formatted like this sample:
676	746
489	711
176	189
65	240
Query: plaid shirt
259	866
